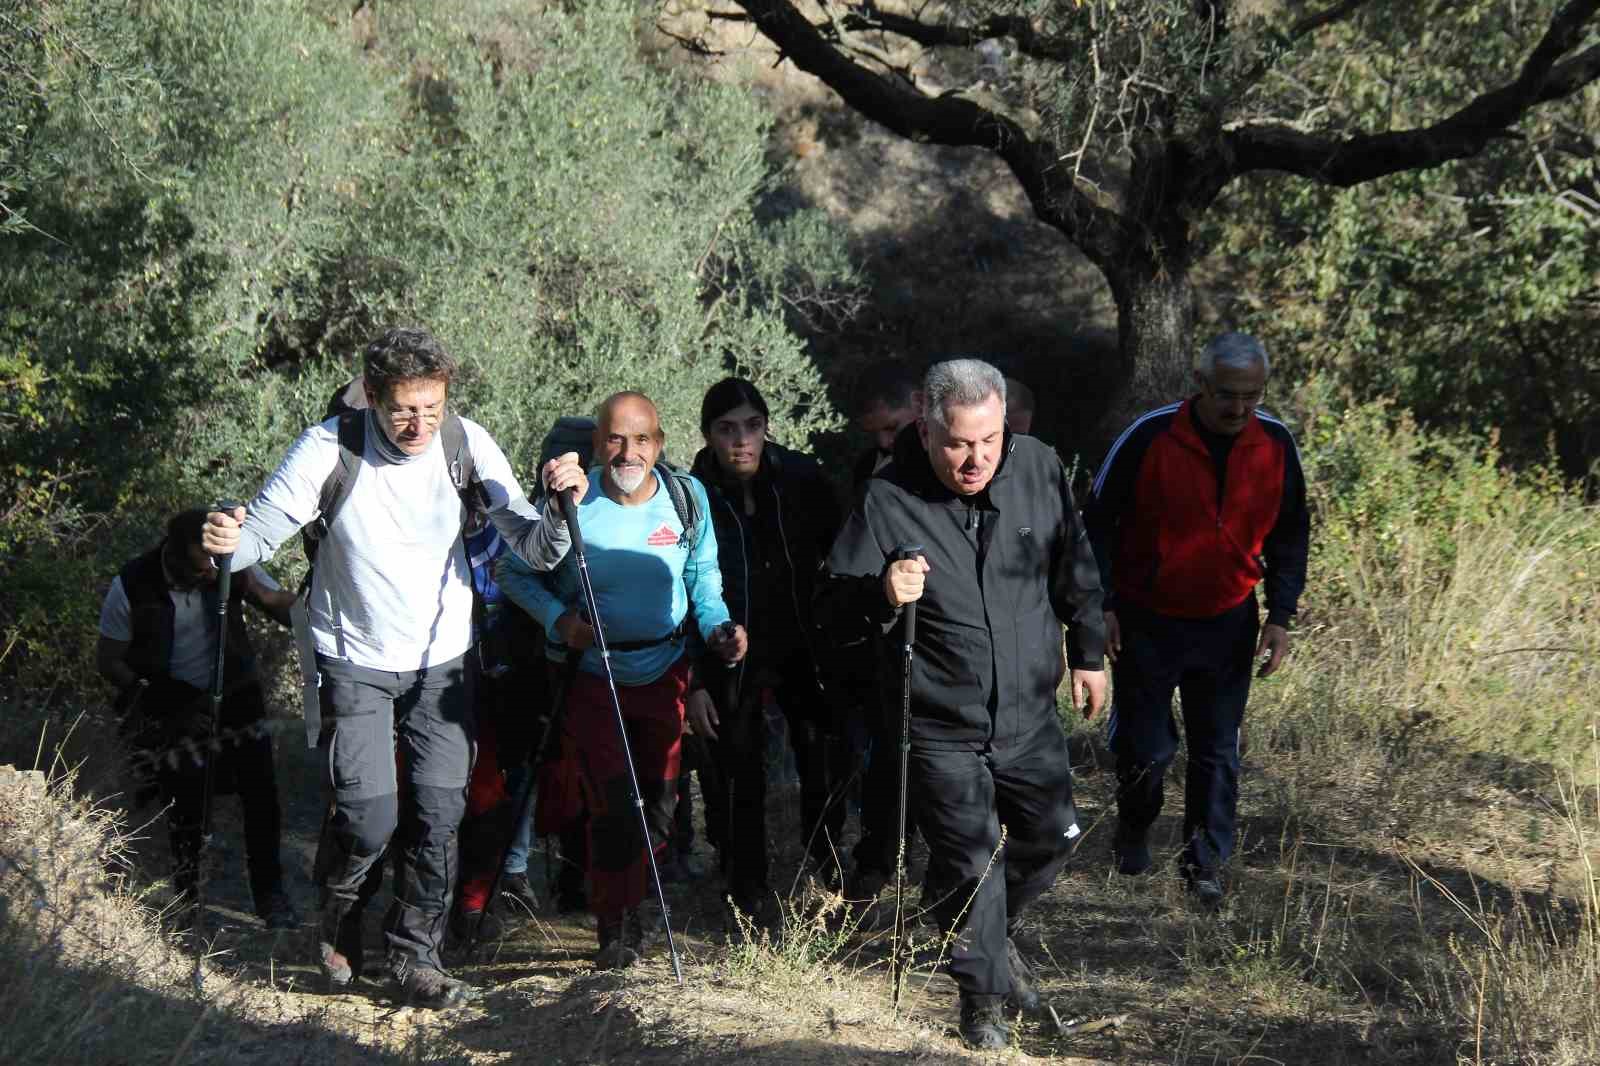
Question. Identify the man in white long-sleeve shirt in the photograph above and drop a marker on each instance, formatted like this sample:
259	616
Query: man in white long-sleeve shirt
390	608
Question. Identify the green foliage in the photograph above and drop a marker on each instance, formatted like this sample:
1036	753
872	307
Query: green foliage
1448	599
569	219
1467	293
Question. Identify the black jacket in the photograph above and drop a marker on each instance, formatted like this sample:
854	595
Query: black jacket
770	560
1009	565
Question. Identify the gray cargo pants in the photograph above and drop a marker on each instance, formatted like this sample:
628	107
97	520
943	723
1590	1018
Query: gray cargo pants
368	718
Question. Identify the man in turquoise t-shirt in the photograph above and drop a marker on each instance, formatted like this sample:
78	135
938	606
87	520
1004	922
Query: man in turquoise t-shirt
647	575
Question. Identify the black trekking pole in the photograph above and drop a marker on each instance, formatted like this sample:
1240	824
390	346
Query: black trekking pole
537	756
224	564
897	944
569	514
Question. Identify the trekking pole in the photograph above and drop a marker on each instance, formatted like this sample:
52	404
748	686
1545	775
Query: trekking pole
896	949
535	759
569	514
224	564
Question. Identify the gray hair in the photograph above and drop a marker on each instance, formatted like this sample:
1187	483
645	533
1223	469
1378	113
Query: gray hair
959	383
1236	351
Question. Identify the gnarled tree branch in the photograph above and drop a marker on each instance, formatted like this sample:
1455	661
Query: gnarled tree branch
948	120
1015	28
1351	160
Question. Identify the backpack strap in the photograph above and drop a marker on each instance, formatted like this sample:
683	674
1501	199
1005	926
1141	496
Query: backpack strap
335	490
681	491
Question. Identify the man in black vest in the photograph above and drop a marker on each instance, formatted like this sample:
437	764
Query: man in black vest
157	646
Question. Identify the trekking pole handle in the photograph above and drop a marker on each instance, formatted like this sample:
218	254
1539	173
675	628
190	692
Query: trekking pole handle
909	611
567	501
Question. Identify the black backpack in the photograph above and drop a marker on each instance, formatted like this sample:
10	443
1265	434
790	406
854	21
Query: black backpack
575	433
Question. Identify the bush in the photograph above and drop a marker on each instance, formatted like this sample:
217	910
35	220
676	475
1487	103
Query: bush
568	218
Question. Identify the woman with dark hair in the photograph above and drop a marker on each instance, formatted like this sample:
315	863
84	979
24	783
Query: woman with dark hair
775	518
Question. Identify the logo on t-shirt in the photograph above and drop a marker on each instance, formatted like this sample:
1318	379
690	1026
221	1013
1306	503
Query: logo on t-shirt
662	537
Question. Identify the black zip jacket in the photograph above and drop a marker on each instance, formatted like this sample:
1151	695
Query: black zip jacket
1008	567
770	559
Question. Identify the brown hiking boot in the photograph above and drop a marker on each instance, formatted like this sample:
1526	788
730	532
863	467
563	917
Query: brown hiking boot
621	942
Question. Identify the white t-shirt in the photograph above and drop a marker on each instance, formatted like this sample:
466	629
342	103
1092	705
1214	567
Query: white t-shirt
393	558
192	652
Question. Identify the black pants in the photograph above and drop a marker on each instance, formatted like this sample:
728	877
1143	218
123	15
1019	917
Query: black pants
976	888
367	715
174	732
740	803
1208	662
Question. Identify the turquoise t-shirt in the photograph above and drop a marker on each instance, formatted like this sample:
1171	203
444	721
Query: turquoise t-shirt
644	579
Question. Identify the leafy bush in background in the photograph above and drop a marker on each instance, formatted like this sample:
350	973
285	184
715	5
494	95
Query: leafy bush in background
283	178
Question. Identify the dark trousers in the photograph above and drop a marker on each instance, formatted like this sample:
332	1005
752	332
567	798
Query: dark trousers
738	809
1208	662
962	799
368	715
245	767
653	713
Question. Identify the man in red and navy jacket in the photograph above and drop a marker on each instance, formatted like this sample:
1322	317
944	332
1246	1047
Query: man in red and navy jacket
1195	504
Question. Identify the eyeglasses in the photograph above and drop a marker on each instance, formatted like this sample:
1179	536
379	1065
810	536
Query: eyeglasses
404	416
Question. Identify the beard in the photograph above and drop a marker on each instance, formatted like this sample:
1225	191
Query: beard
628	478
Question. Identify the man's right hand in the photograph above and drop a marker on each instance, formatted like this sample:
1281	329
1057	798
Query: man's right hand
1113	636
574	632
903	581
221	533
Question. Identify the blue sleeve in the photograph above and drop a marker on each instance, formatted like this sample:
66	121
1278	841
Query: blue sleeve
528	589
702	576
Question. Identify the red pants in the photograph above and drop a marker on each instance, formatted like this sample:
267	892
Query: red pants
618	869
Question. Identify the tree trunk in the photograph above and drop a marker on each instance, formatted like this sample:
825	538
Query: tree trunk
1155	342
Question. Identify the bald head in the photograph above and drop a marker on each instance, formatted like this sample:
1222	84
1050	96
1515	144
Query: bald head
627	443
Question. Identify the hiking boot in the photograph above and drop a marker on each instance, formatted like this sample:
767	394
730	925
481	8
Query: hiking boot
423	986
620	942
277	912
516	886
1024	994
337	947
465	924
862	893
1132	850
1205	883
983	1023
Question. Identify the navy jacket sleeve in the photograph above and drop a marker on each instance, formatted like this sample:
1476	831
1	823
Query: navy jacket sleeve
1285	548
1075	591
1110	499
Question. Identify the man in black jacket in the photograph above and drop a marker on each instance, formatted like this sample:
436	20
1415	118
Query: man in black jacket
1003	561
157	646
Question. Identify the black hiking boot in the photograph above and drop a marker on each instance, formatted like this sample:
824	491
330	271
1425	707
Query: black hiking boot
423	986
1132	850
520	892
276	911
863	894
983	1023
1024	994
1203	882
